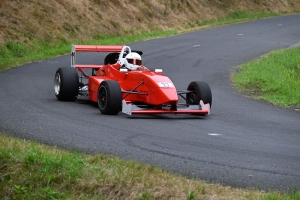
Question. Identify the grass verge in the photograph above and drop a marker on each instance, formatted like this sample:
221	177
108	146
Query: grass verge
15	53
236	17
274	77
32	171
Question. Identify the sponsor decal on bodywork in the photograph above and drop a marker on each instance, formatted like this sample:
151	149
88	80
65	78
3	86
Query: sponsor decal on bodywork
165	84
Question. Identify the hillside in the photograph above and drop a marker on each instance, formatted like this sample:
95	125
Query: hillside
63	21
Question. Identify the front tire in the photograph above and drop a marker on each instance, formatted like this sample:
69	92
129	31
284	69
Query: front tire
200	91
109	97
66	84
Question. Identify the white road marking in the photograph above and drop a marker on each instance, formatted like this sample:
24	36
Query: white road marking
197	45
214	134
240	34
41	61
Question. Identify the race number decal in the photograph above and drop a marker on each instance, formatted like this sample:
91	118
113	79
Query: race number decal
165	84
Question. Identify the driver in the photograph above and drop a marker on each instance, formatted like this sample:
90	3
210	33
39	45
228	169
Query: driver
133	61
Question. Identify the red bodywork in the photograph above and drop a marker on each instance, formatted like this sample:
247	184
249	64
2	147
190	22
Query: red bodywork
140	86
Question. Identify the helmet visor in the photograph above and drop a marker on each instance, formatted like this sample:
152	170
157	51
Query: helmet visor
134	61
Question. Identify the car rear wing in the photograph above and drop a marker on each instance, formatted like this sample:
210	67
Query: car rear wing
91	48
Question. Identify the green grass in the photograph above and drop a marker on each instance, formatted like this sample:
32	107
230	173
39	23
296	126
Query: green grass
246	14
232	17
274	77
14	53
32	171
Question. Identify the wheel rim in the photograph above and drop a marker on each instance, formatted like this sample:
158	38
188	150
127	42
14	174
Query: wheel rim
57	82
102	97
192	98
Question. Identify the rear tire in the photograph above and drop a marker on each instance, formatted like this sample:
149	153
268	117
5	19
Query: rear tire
201	91
109	97
66	84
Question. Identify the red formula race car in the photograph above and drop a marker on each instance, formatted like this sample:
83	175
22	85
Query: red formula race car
122	83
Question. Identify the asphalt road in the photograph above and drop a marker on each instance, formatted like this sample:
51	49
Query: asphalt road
243	143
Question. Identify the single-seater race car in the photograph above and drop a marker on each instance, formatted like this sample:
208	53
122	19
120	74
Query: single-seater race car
122	83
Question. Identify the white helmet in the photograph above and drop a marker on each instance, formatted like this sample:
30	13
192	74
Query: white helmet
133	61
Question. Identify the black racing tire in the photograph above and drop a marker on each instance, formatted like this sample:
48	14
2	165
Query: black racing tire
201	91
109	97
66	84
